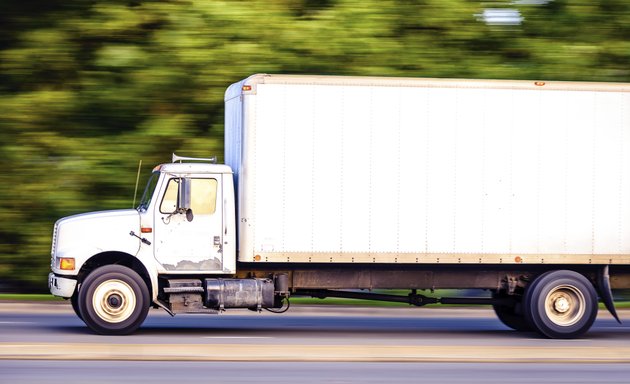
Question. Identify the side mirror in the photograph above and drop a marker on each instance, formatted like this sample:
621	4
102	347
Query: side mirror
184	195
184	198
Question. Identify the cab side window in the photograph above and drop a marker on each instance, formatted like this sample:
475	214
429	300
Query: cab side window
169	201
203	196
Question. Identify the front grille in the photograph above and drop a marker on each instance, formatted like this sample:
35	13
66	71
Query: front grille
53	249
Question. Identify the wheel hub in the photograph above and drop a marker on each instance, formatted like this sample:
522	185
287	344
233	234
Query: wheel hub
114	301
562	305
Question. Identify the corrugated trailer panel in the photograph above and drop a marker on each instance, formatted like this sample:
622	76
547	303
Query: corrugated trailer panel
422	171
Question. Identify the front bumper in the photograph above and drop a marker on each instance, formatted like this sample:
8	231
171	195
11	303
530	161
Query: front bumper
61	286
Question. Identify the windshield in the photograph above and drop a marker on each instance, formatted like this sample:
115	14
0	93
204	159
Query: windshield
148	191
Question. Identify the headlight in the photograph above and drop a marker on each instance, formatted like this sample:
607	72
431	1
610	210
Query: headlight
66	263
63	263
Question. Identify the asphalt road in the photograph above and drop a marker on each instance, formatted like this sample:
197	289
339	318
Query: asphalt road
97	372
48	343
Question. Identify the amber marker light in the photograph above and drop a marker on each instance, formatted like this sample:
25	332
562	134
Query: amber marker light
257	258
66	263
247	88
146	230
539	83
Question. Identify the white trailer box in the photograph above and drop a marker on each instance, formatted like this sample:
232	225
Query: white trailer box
387	170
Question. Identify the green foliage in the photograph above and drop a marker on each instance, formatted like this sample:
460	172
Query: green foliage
87	89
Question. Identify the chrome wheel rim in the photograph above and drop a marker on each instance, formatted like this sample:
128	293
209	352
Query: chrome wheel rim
114	301
565	305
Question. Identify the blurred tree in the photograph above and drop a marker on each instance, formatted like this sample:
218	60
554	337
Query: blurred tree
89	88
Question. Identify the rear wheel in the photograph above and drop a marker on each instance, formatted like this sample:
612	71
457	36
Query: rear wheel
113	300
560	304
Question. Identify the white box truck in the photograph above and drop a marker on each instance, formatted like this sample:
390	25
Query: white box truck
340	186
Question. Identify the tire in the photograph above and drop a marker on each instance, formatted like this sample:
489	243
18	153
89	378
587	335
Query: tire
560	304
509	315
74	300
113	300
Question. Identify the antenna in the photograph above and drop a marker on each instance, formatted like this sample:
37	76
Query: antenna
136	190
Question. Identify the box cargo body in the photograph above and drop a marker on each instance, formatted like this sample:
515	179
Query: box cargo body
388	170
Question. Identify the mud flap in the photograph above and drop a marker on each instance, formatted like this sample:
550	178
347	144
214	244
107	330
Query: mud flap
603	286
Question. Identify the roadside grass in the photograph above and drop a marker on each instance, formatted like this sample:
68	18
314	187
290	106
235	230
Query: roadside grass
28	297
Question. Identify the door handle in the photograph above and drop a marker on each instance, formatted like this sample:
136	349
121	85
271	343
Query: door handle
217	243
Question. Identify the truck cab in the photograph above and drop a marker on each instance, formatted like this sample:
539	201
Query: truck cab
106	262
187	214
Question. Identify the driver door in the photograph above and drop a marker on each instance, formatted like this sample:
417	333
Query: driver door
190	246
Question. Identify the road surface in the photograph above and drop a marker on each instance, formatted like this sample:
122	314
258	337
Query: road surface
48	343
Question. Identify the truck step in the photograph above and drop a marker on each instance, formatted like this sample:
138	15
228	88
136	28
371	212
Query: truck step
198	310
183	290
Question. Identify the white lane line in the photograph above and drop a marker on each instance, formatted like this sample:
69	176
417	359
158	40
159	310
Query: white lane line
238	337
17	322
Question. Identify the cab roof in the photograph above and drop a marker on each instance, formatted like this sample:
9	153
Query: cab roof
193	168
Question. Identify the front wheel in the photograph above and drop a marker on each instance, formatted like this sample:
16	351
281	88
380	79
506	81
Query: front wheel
113	300
74	301
560	304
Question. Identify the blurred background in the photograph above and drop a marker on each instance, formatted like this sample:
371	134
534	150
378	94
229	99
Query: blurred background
89	88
